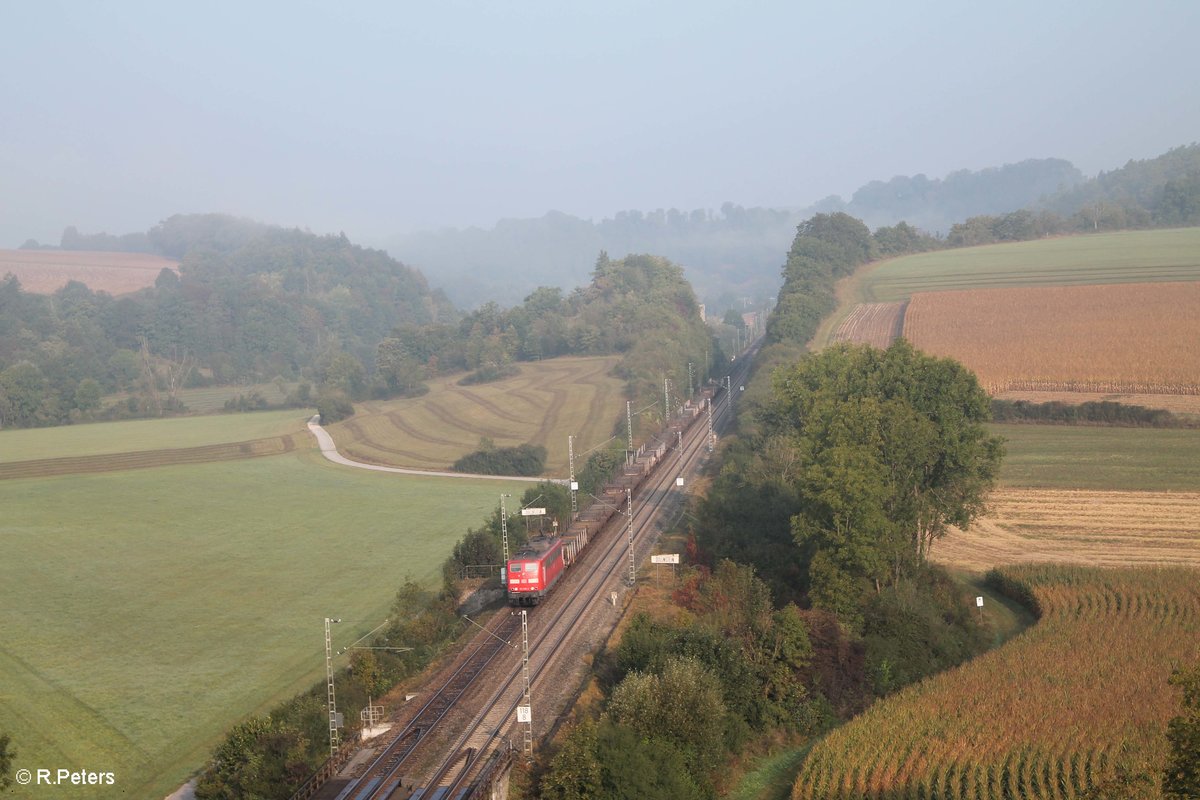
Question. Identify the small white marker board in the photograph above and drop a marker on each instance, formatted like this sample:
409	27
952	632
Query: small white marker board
524	714
979	601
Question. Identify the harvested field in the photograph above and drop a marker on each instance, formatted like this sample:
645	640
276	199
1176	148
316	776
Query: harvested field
876	324
1126	338
1109	529
542	405
45	271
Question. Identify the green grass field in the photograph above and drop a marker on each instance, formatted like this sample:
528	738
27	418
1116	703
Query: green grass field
102	438
545	403
149	610
1123	257
1112	459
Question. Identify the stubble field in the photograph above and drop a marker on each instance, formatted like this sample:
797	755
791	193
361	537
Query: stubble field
45	271
545	403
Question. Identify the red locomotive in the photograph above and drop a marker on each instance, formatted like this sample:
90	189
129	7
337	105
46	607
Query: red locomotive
533	570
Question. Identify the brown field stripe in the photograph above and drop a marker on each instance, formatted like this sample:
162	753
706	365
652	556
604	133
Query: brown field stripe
111	462
487	405
397	421
461	424
898	322
550	417
596	408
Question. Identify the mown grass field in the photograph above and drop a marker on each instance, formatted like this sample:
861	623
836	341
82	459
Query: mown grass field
103	438
149	610
545	403
1048	715
1121	257
1102	458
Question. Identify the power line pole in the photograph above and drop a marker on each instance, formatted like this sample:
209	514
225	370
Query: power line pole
667	399
632	564
332	702
708	402
574	483
504	529
527	732
629	427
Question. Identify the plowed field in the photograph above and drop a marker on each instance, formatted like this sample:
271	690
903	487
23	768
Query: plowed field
45	271
876	324
1078	527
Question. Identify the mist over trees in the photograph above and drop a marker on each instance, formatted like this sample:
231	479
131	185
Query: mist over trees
734	252
251	303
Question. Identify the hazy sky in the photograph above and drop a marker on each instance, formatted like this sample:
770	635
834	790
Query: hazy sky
379	118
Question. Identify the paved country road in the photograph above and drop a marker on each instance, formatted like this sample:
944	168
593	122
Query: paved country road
329	450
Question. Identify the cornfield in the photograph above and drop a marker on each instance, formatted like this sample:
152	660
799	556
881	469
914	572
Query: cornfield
1046	716
1134	337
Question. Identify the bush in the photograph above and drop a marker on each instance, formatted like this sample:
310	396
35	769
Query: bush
489	373
1103	412
334	407
524	459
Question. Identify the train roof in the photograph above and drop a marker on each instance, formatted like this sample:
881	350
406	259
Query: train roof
535	547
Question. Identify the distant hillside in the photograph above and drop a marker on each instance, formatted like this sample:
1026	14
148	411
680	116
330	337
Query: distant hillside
727	255
250	303
1162	191
935	205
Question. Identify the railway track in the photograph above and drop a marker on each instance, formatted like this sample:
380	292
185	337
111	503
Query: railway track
464	732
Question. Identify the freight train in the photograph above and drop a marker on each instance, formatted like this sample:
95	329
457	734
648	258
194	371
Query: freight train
540	563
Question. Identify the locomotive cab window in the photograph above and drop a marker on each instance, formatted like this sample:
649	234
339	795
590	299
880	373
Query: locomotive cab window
514	567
